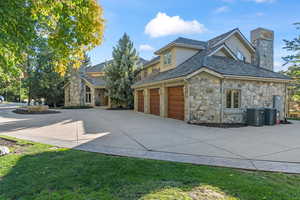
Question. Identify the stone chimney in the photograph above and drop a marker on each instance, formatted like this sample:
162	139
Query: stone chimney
263	41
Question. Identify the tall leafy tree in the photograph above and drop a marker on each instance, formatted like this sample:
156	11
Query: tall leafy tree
293	59
119	73
69	27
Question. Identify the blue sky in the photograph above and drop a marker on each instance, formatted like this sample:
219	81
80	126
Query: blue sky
153	23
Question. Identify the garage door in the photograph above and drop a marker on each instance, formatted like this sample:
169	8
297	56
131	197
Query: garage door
176	103
141	101
154	101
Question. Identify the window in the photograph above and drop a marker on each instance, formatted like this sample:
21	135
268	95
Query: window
240	56
88	96
233	99
168	58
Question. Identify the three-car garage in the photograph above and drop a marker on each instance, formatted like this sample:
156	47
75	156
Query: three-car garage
167	103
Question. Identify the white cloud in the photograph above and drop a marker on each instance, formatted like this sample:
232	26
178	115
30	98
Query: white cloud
163	25
146	47
221	9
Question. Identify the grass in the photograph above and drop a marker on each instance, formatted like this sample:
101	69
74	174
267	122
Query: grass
41	172
291	118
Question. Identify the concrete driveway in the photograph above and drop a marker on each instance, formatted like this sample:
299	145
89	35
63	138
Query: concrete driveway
126	133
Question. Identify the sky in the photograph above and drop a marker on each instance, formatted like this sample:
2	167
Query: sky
152	24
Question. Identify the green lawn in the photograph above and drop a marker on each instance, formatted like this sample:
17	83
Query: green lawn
38	171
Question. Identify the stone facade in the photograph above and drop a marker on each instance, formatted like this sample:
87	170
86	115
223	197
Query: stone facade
204	98
254	94
74	91
206	92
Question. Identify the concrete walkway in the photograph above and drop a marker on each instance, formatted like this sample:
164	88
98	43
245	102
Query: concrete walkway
126	133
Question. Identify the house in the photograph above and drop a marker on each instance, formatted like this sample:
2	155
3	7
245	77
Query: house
212	81
86	87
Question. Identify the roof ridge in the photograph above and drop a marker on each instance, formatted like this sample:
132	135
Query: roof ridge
222	35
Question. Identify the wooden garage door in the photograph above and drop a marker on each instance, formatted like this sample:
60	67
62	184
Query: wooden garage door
154	101
141	101
176	103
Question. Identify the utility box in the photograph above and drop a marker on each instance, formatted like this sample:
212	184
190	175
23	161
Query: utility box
255	116
278	105
270	116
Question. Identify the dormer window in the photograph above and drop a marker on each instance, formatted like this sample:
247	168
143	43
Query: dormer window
240	56
168	58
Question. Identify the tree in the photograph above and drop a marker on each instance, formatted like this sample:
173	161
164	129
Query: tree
69	27
294	59
119	73
42	80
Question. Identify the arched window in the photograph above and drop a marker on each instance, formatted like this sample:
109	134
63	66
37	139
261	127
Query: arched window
88	96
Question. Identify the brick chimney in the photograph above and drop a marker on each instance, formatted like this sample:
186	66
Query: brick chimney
263	41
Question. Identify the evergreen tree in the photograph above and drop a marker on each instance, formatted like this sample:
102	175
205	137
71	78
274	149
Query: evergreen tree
119	73
294	59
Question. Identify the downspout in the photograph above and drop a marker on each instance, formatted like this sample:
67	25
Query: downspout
222	106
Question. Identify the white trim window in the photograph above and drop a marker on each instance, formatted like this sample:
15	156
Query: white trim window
233	98
167	58
88	95
240	56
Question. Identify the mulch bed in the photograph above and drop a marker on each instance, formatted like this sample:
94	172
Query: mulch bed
17	148
25	111
220	125
7	142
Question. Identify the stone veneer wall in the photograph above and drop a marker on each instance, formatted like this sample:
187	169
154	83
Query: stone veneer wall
76	87
254	94
204	99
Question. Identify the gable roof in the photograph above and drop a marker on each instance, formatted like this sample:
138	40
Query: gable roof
212	42
100	67
221	38
153	60
95	81
184	42
219	64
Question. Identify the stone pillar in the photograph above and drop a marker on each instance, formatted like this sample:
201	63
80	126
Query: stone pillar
146	100
135	95
186	102
163	101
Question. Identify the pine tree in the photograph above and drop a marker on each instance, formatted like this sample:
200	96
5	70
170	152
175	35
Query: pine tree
119	73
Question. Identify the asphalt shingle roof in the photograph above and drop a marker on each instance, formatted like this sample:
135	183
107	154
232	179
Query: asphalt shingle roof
219	64
182	40
217	39
100	67
95	81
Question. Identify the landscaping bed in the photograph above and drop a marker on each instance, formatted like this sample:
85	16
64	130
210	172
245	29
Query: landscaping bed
29	112
13	145
46	172
220	125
